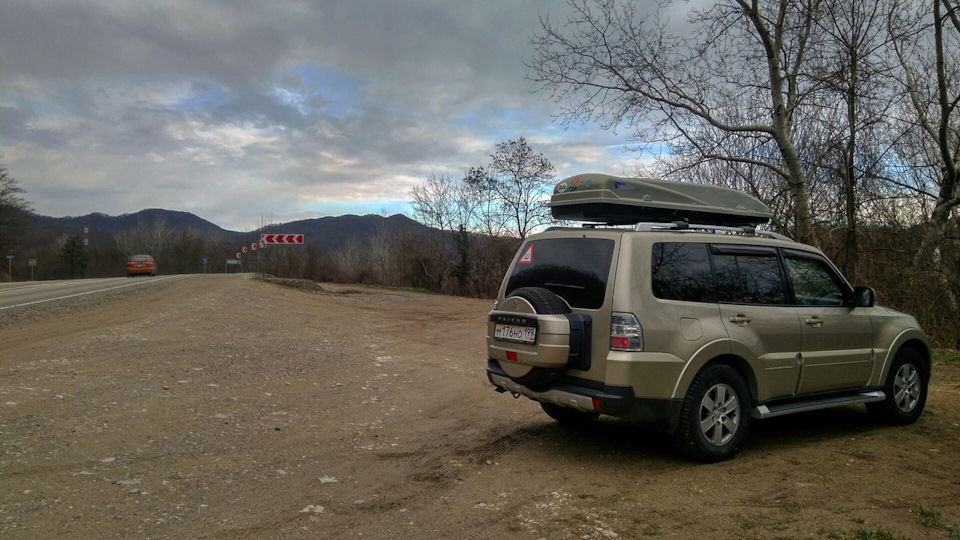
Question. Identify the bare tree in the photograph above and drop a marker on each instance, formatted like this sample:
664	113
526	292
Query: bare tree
383	252
144	237
486	212
850	64
932	84
351	261
518	179
733	80
13	210
440	203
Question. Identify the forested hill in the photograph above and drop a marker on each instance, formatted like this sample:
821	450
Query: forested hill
327	232
103	227
180	241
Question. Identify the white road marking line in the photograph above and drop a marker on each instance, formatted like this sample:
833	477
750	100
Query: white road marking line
86	293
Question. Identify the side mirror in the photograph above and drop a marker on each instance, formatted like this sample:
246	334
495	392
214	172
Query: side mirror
863	297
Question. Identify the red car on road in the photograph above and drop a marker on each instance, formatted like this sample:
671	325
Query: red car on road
141	265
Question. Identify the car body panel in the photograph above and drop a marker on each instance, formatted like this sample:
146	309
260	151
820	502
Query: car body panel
837	348
770	344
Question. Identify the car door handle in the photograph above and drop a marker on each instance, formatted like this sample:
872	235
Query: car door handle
740	319
815	322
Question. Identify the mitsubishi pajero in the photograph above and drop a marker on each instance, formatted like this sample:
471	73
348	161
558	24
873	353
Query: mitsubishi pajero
674	310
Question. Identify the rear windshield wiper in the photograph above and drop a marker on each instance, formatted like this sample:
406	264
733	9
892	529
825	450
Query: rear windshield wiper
564	286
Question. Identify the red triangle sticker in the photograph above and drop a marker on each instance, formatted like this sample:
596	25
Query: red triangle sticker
527	257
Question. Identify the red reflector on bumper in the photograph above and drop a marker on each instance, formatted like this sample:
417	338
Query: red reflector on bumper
596	404
512	356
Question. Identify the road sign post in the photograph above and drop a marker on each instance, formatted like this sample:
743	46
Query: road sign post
204	261
10	267
32	263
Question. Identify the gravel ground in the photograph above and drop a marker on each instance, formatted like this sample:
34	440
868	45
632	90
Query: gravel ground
221	406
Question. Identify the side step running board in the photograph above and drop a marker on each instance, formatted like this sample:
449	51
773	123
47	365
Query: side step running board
765	411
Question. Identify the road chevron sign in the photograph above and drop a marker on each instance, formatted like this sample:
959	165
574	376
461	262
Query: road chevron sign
281	238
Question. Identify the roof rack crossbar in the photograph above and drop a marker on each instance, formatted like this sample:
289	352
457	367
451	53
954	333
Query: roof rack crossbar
686	226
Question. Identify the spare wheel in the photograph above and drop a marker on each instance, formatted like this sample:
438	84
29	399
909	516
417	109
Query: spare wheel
539	301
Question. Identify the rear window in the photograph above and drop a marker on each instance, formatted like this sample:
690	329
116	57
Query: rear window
726	273
141	258
576	269
681	271
749	279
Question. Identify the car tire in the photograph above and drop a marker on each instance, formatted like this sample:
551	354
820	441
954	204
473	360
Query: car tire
544	302
715	415
905	390
567	416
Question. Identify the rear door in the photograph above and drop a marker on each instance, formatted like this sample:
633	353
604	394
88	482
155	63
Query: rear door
751	290
579	270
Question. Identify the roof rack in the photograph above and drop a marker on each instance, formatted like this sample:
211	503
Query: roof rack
684	226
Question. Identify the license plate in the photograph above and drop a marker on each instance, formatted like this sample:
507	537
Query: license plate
521	334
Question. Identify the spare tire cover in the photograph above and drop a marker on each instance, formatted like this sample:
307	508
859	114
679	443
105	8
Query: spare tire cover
541	301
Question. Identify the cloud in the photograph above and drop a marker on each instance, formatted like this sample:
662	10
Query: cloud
238	109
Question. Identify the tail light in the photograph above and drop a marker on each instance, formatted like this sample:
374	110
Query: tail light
625	332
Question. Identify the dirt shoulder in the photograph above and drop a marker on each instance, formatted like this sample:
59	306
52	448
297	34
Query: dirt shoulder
224	407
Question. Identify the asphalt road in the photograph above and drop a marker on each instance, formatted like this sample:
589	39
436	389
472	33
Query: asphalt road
25	293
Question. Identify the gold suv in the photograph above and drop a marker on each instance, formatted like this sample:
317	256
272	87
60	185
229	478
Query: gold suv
687	318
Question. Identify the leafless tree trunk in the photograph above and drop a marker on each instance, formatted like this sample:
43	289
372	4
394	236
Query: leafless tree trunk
934	93
850	63
383	254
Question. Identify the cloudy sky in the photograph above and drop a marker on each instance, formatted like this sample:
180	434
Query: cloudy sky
239	110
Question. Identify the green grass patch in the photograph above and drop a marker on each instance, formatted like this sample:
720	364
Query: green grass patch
930	518
879	534
946	356
860	534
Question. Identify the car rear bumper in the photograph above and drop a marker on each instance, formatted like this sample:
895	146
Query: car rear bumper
590	396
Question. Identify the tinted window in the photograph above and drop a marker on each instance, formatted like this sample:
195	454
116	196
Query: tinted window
574	268
814	283
682	272
749	278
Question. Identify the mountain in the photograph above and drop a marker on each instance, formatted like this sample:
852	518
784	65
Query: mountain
326	232
334	232
104	226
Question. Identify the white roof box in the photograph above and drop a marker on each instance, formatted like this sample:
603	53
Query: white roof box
609	199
